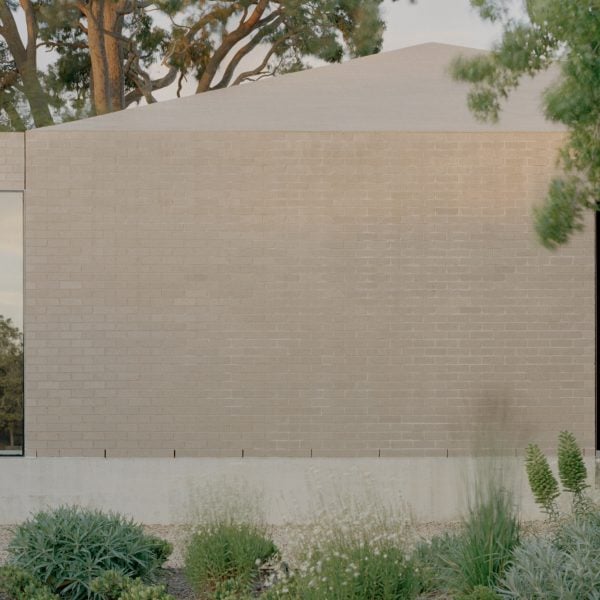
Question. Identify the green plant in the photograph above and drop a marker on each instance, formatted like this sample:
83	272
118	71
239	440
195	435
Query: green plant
571	469
68	547
480	553
479	593
572	473
542	482
351	566
113	585
19	584
225	550
565	567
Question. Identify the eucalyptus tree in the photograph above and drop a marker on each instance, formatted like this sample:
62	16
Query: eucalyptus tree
565	32
104	55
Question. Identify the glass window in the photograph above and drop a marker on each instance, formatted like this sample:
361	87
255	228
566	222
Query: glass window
11	323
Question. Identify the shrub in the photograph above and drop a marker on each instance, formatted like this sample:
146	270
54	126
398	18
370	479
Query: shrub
479	593
351	568
68	547
563	568
542	482
480	553
226	550
112	585
19	584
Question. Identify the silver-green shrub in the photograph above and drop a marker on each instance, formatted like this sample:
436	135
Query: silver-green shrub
67	548
565	567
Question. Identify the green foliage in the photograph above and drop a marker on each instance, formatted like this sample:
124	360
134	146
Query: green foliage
112	585
571	468
352	567
19	584
69	547
11	379
479	593
563	568
224	551
559	32
480	553
542	482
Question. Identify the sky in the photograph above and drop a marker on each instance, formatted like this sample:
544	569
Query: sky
11	256
446	21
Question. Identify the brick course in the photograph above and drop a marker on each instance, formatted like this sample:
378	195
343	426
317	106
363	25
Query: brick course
282	294
12	161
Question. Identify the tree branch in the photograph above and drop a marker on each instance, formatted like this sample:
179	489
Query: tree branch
244	51
259	70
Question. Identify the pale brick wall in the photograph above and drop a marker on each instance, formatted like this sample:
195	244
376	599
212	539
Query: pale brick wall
12	161
349	294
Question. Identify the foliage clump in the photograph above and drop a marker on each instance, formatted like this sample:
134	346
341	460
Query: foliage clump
113	585
565	33
19	584
67	548
353	567
225	554
479	554
562	567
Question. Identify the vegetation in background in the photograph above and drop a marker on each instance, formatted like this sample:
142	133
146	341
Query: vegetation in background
67	548
572	473
225	556
107	54
566	33
11	380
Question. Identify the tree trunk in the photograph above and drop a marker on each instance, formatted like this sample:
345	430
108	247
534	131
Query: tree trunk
25	58
11	436
104	24
100	87
36	96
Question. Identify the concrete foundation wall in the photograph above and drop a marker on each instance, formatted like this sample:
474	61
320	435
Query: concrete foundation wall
12	161
295	294
279	490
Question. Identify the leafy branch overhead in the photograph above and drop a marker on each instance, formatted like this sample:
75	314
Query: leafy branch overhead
555	31
104	55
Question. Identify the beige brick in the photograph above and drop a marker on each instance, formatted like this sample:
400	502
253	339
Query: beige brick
357	294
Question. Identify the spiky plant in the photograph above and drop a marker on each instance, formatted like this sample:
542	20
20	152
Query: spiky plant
571	468
542	482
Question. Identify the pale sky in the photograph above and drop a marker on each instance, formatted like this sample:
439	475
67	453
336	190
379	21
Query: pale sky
11	256
446	21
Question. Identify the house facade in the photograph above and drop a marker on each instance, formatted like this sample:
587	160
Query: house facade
336	267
